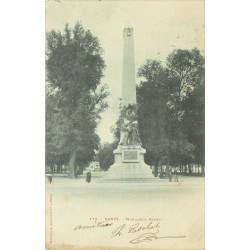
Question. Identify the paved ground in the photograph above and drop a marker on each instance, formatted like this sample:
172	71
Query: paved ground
79	210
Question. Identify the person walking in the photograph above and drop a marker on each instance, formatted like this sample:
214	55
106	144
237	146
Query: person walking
50	177
88	177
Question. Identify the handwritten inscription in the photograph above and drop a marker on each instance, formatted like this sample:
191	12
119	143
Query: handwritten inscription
146	237
148	232
137	227
99	224
152	230
118	231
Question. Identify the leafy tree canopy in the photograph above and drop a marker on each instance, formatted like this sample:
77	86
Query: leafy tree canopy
106	156
171	108
75	97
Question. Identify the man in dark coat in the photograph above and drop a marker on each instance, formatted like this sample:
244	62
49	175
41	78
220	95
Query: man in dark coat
88	177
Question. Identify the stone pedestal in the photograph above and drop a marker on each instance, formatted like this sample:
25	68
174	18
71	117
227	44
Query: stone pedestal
129	164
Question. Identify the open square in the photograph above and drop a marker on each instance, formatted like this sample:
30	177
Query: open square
178	207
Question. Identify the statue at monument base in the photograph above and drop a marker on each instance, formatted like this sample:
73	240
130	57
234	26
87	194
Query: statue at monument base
129	156
129	126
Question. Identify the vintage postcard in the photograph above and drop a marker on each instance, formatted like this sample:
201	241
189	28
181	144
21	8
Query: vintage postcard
125	125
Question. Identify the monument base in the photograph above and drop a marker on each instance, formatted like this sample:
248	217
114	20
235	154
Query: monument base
129	164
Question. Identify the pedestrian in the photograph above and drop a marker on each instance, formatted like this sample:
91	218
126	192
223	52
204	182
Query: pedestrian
50	178
175	175
88	177
170	174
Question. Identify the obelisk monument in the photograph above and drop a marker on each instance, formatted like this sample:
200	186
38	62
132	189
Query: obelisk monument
128	74
129	156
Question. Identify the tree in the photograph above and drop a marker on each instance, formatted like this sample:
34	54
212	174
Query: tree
186	70
106	156
75	96
194	122
162	94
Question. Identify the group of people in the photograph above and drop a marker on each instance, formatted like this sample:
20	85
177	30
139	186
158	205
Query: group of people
88	177
169	173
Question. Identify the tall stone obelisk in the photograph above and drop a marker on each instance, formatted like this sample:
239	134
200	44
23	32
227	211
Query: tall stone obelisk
128	74
129	162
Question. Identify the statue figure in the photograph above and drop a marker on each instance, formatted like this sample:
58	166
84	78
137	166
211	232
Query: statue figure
129	128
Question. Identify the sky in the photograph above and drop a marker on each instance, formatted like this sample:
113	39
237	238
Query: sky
159	28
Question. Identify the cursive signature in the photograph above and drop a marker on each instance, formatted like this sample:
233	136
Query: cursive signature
137	227
118	231
151	234
146	237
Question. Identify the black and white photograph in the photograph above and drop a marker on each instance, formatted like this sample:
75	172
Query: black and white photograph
125	125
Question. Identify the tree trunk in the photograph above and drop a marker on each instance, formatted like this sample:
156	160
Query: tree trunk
72	165
202	169
157	167
189	168
156	171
